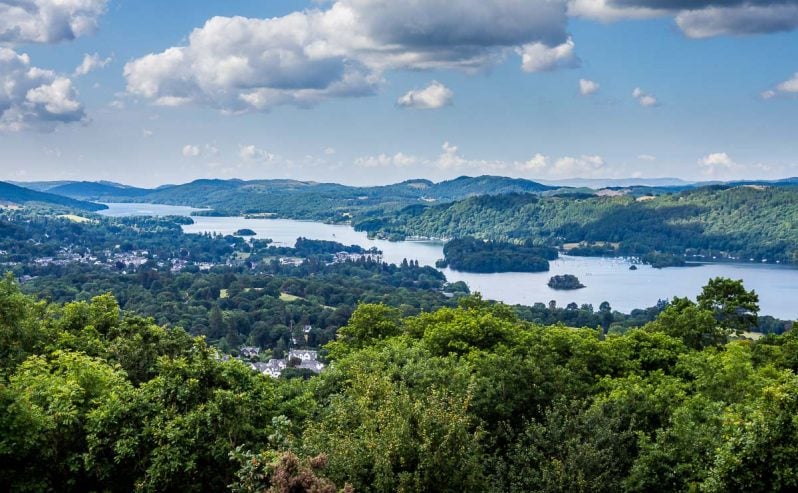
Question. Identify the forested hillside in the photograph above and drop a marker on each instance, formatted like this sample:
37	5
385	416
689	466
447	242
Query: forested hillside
12	194
299	199
462	399
746	222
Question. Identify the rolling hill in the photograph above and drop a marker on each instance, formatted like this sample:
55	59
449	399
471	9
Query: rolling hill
14	194
91	190
300	199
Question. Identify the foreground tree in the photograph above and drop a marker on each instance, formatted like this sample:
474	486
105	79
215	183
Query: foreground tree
735	308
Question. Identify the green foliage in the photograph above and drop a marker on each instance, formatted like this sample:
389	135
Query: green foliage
734	307
724	308
757	223
565	281
19	195
472	255
466	398
311	200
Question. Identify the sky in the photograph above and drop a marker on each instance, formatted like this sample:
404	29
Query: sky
363	92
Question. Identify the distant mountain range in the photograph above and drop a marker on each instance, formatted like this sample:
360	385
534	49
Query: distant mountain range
598	183
335	202
13	194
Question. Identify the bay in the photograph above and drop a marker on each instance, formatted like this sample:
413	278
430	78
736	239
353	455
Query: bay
606	279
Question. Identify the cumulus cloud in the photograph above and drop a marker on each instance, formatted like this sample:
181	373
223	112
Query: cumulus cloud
787	87
191	151
447	34
537	164
738	20
398	160
588	87
647	157
718	165
644	99
239	64
48	21
253	154
90	63
34	98
243	64
582	166
452	160
790	85
605	11
699	18
432	97
539	57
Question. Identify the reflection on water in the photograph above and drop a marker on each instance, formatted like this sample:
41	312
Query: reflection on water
605	279
135	209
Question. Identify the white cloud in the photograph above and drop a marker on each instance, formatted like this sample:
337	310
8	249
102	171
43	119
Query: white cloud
434	96
242	64
738	20
789	86
329	151
698	18
588	87
718	165
147	133
450	157
48	21
91	62
644	99
398	160
768	94
253	154
239	64
582	166
537	164
191	151
451	160
647	157
34	98
539	57
604	11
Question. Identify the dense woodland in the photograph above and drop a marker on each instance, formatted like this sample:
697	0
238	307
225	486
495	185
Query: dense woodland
473	255
115	374
739	223
466	398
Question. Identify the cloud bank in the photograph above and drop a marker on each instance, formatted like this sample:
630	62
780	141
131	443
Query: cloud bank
241	64
34	98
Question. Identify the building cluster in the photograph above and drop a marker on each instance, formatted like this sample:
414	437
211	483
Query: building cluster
342	257
302	359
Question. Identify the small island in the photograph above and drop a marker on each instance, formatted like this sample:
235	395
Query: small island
565	282
474	255
245	232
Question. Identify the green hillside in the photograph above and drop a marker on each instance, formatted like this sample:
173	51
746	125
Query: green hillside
739	222
302	199
18	195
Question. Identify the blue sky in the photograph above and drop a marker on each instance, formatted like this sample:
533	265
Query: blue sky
370	91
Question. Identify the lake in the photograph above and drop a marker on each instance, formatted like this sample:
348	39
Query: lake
606	279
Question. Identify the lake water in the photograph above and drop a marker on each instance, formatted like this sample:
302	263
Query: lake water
137	209
605	279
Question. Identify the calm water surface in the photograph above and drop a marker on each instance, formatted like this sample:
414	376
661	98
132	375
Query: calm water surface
606	279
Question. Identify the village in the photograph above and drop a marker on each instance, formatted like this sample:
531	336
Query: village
301	359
